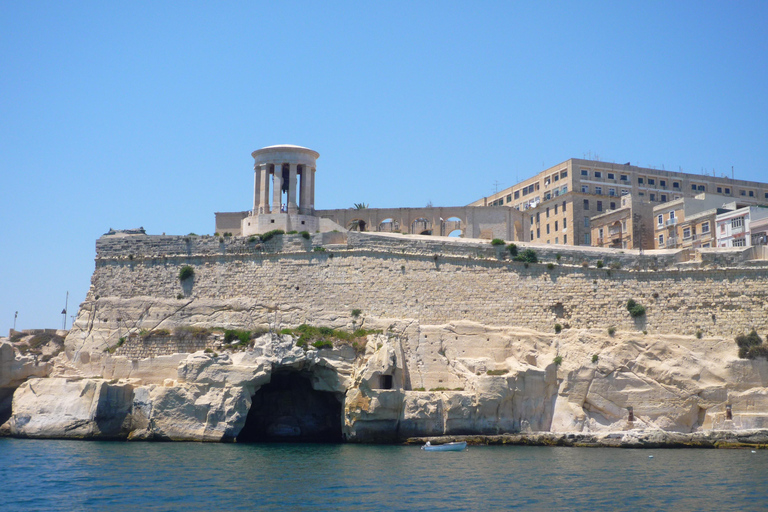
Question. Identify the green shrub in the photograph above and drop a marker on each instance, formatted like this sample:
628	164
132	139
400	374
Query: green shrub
192	234
585	264
599	263
243	337
512	248
558	360
265	237
318	249
227	234
635	309
594	358
356	313
615	265
253	239
497	241
558	328
497	372
186	272
751	346
527	256
419	389
439	388
305	234
294	232
550	266
322	344
558	257
179	296
611	331
216	234
699	333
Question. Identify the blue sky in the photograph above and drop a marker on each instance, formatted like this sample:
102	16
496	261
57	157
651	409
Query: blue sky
145	113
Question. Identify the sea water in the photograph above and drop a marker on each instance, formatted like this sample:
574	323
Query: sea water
113	476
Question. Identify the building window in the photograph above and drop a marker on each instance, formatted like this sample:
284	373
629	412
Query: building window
563	174
599	190
585	189
719	190
547	228
517	194
531	234
555	209
555	225
739	242
624	192
702	188
653	197
660	220
742	192
598	174
613	205
705	227
662	183
672	214
555	177
565	239
556	240
612	192
547	211
538	217
563	206
624	177
661	239
538	232
751	193
587	239
564	223
663	198
585	172
737	222
675	184
728	191
686	232
599	234
611	176
651	181
509	198
586	204
599	206
586	222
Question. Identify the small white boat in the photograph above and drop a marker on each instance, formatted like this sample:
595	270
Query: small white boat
447	447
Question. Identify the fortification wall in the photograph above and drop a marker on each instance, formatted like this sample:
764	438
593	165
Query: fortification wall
437	281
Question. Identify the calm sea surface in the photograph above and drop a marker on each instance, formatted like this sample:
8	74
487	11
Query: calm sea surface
73	475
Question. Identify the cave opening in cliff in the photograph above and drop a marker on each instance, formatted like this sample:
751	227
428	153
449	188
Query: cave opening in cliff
288	409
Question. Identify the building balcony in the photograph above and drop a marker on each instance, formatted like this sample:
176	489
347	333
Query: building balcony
671	243
671	222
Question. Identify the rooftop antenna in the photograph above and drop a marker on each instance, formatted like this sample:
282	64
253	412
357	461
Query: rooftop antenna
732	172
14	320
496	187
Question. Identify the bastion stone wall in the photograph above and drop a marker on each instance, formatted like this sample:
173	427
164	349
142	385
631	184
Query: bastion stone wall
438	281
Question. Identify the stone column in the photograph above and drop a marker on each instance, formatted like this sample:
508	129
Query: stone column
292	170
303	198
263	188
311	192
256	187
277	184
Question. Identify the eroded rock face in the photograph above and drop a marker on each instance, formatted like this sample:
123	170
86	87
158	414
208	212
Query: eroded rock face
85	408
413	380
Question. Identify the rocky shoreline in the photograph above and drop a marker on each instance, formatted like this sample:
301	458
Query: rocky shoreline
755	438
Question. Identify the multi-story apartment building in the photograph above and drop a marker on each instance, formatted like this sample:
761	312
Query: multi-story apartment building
559	203
689	222
734	228
628	227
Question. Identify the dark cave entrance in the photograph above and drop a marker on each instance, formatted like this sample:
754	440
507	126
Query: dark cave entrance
289	410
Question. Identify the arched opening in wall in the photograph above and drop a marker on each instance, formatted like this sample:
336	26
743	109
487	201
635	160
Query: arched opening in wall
389	226
453	226
357	225
288	409
421	226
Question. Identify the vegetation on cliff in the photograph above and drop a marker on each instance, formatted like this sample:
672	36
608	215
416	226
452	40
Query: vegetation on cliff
751	346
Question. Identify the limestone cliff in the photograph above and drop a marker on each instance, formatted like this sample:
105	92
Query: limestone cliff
456	342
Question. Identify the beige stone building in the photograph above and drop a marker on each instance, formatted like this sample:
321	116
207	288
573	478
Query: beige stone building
558	204
689	222
627	227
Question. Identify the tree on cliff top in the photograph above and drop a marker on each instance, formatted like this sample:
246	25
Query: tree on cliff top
751	346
